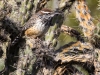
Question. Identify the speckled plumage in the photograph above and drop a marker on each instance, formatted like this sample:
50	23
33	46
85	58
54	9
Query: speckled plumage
38	24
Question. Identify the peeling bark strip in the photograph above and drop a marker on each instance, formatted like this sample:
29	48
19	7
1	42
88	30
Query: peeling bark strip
85	19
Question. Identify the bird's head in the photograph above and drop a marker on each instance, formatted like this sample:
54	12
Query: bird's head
48	16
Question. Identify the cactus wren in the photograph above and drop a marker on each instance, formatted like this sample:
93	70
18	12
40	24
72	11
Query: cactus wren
38	24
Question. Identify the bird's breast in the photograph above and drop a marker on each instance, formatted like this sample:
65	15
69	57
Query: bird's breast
36	30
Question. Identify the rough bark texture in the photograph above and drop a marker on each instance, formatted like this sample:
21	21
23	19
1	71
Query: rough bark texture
41	56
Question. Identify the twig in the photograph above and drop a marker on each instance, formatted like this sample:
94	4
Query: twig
72	32
41	4
65	4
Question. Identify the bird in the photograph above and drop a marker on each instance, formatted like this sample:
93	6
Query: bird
38	24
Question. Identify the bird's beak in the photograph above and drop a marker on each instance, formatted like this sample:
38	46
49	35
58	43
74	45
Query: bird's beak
53	14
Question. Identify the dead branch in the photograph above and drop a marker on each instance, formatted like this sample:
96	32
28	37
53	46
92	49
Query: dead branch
41	4
85	19
72	32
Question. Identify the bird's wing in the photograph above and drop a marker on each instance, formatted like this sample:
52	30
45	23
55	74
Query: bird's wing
29	23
